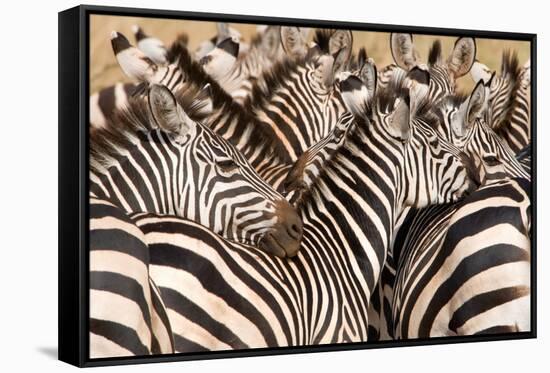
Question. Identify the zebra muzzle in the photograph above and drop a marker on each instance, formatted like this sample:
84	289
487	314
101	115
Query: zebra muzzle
285	238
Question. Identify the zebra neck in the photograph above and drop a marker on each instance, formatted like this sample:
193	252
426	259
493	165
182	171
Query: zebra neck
248	135
355	201
145	176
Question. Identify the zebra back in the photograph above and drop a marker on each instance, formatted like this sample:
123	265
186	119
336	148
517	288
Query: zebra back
471	276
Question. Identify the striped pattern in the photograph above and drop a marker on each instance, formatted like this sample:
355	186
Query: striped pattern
184	169
494	161
127	313
222	295
104	102
470	275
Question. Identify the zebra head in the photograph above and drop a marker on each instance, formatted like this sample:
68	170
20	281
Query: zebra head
464	118
298	99
227	193
357	89
158	160
443	73
433	170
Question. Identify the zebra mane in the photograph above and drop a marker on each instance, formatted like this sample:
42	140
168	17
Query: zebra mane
510	70
322	39
384	100
127	126
456	99
270	80
434	56
260	136
509	67
175	49
398	89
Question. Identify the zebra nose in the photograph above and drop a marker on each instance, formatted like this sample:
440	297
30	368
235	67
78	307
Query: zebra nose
285	238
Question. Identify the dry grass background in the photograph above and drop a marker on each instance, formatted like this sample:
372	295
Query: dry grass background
104	70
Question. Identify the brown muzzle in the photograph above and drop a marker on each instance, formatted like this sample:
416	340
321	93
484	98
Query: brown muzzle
285	238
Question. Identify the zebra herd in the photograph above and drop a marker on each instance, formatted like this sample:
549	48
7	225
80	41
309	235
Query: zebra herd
288	191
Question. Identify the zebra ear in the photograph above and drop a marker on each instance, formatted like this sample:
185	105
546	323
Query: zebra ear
167	113
132	61
222	31
341	43
271	39
476	104
419	84
340	62
139	34
480	72
355	95
150	46
369	76
462	57
219	62
399	120
293	41
402	50
362	57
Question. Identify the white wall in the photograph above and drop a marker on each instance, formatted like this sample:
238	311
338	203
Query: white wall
28	185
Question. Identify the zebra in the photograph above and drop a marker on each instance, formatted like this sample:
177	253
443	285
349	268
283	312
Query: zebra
509	102
242	124
472	135
488	152
104	102
447	285
357	87
298	99
220	294
156	159
127	314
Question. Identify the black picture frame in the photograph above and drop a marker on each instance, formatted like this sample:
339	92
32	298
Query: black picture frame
73	251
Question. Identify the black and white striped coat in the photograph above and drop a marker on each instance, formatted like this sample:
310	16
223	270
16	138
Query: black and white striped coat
127	313
156	159
222	295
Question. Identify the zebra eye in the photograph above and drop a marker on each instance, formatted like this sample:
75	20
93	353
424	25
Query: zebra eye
227	165
434	142
491	160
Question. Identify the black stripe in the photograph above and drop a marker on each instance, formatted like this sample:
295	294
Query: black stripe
469	267
184	345
121	241
124	286
160	310
119	334
498	329
185	307
484	302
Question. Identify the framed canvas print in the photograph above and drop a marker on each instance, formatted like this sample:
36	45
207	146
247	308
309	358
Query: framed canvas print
234	186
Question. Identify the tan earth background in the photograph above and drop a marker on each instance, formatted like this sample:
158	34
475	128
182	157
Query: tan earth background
104	70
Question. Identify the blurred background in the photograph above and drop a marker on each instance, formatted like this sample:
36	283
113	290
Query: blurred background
104	70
